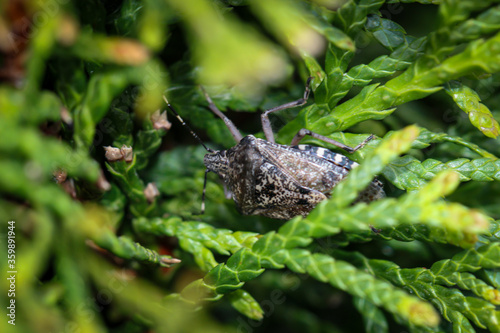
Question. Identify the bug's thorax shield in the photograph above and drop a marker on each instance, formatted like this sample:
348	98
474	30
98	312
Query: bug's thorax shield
217	162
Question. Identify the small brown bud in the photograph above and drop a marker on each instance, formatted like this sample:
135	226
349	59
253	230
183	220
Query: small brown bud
160	120
127	153
113	154
151	192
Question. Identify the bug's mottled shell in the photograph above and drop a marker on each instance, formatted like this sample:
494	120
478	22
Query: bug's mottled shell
280	181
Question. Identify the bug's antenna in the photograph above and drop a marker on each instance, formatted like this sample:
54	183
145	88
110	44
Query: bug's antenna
187	126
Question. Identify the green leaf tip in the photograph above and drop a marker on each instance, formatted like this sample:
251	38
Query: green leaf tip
399	142
493	295
441	185
246	304
479	114
422	314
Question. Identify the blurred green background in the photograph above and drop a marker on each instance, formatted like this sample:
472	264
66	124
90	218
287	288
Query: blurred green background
96	238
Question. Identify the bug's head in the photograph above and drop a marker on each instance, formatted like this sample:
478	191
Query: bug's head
217	162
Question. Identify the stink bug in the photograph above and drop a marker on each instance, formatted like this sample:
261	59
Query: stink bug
278	181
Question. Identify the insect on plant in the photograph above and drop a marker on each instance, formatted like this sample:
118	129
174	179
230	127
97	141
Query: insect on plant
278	181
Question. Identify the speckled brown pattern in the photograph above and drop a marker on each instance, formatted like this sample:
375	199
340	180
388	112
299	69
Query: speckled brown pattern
281	181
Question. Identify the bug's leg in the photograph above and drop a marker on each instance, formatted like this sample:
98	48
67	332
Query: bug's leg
303	132
227	192
203	194
266	124
232	128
